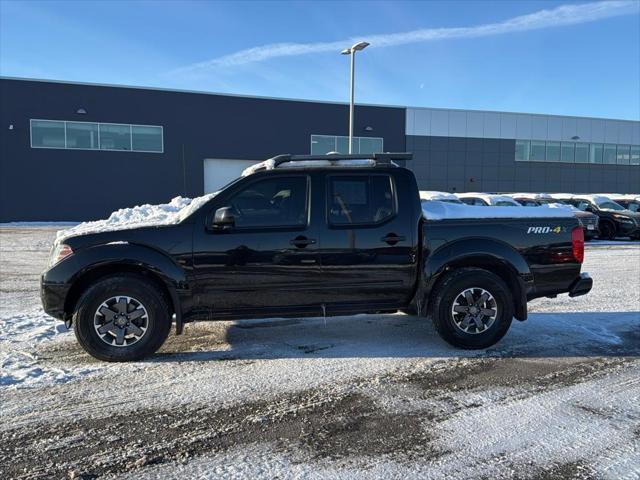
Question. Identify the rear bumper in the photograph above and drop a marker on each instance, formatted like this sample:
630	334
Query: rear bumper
581	285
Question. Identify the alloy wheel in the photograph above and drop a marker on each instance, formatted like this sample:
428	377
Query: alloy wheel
474	310
121	321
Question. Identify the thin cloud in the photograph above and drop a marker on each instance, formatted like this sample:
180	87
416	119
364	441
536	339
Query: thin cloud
556	17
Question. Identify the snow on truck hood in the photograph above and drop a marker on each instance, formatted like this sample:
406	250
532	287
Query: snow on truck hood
140	216
444	211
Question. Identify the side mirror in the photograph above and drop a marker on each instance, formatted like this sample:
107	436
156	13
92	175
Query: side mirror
224	218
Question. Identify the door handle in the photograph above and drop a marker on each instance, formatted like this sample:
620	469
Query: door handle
392	238
301	241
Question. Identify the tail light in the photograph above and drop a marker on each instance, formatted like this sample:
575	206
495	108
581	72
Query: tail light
577	244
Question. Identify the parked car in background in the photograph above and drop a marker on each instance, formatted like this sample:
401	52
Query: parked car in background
432	196
588	220
487	200
614	219
630	202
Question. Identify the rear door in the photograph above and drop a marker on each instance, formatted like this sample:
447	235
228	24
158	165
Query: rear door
368	253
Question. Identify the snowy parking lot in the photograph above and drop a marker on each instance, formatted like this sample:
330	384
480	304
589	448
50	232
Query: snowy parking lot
370	396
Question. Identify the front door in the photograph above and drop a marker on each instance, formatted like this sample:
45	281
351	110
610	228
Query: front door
268	260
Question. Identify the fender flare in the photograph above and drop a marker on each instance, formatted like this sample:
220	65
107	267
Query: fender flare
482	252
132	257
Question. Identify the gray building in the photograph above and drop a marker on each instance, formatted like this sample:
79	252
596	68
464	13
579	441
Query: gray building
72	151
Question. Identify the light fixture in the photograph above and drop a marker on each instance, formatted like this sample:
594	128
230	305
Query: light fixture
81	111
368	129
352	51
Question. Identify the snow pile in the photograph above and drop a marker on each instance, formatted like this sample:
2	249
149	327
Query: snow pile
146	215
445	211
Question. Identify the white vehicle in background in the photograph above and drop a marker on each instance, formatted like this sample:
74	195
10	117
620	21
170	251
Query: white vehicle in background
433	196
487	200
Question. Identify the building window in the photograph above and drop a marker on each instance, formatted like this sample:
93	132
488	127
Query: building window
567	151
47	134
553	151
323	144
609	154
522	151
115	137
96	136
595	153
635	154
146	139
82	135
572	152
537	151
582	153
623	156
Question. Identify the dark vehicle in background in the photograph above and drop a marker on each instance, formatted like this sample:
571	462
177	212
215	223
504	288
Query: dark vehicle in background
614	219
589	221
630	202
310	236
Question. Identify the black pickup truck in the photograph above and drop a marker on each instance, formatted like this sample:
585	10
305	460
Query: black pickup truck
310	236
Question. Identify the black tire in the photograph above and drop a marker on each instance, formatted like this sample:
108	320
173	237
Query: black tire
451	288
157	320
607	230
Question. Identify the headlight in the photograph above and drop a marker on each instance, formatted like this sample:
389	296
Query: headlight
622	219
59	252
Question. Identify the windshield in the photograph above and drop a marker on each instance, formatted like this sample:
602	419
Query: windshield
633	206
610	206
503	203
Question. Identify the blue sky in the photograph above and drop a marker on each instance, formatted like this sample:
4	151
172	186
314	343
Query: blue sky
572	58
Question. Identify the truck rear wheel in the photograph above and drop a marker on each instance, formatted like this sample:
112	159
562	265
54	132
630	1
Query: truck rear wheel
122	318
473	308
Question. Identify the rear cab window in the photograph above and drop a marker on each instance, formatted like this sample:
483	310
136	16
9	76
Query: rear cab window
360	199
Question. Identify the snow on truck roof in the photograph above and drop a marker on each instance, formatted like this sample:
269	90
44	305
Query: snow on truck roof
332	159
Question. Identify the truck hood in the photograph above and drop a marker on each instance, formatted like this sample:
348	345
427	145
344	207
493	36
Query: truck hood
141	216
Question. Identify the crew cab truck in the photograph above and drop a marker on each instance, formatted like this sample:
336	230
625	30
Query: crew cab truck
310	236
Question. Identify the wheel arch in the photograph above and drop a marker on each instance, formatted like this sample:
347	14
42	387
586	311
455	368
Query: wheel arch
490	255
136	260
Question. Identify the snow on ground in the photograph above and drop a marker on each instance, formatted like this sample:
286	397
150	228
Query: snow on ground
349	397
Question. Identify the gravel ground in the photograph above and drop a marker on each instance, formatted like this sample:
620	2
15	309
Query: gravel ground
350	397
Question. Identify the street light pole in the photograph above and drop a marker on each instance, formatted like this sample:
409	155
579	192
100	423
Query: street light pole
352	51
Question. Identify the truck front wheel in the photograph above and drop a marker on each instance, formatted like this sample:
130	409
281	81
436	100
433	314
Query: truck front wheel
122	318
472	308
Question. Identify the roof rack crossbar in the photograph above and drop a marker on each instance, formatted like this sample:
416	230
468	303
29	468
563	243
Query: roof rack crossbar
378	158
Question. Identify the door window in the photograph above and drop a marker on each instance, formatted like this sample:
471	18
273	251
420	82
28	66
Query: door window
360	199
273	202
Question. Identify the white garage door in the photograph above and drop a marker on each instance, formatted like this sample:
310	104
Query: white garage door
218	172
